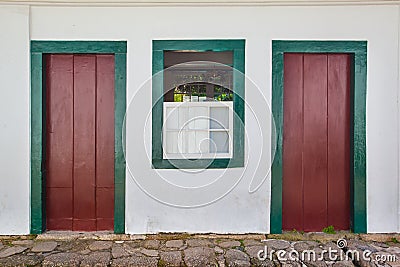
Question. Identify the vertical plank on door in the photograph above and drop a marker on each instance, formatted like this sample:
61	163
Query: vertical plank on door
338	141
84	143
315	142
59	138
105	142
292	194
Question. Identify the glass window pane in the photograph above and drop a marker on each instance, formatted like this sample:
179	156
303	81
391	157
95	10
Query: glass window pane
219	118
202	141
177	57
183	117
198	118
192	147
183	142
172	118
197	141
219	142
171	142
198	76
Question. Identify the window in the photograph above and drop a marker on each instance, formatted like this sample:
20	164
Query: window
197	130
198	104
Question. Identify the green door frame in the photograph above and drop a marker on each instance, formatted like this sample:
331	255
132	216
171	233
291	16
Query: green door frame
358	50
38	129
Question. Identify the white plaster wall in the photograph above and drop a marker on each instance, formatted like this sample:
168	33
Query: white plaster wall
382	125
14	119
398	125
239	211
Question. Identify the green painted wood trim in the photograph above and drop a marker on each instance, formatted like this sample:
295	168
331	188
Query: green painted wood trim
119	159
86	47
359	144
37	223
238	48
358	135
319	46
276	168
157	108
199	45
38	131
238	107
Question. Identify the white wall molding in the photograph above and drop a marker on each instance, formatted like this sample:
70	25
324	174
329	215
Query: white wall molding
201	2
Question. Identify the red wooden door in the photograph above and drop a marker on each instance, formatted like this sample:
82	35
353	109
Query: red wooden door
316	142
79	142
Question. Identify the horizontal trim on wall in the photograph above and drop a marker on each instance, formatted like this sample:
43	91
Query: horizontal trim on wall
201	2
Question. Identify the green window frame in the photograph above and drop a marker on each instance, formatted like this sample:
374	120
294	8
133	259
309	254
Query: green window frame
238	48
38	49
358	92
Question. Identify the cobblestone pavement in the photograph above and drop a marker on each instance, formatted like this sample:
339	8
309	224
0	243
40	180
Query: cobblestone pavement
289	249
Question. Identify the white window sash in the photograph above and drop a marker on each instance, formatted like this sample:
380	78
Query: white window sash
207	130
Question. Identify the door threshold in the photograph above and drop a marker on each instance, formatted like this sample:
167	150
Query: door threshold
313	236
99	235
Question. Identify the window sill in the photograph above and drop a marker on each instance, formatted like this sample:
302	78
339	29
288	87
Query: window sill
197	163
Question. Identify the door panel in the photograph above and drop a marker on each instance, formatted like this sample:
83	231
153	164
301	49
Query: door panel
59	120
105	208
316	150
105	120
80	142
59	208
338	141
315	141
59	138
84	142
292	199
105	142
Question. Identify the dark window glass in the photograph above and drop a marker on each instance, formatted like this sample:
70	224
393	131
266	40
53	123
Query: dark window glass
198	76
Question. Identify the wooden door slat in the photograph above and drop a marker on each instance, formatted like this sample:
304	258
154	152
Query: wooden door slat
84	142
315	142
59	126
105	121
338	141
59	139
105	142
292	193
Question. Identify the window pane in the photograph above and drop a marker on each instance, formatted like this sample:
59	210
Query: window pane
176	57
219	118
171	142
182	117
198	118
219	142
198	76
190	137
172	118
202	141
197	142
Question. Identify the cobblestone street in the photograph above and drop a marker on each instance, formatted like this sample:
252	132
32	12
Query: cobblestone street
103	249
